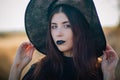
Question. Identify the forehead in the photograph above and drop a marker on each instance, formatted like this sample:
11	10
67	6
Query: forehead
59	17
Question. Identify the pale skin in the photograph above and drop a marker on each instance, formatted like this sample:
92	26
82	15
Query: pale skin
23	57
109	63
61	30
25	52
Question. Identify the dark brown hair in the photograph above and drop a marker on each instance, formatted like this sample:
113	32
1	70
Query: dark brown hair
84	49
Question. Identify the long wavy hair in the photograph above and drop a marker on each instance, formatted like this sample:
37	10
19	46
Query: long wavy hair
84	49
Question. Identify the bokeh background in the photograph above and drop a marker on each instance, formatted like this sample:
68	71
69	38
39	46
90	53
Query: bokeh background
12	32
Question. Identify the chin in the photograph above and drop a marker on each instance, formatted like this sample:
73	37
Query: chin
64	49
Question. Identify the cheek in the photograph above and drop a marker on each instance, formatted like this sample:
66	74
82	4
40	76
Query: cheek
71	42
69	34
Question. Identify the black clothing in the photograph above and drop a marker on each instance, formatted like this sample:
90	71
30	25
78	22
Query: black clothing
69	72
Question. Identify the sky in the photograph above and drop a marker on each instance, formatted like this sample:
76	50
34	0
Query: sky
12	13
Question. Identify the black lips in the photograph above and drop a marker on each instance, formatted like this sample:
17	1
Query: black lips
59	42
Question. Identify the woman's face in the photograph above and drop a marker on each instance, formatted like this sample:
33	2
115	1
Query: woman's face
62	33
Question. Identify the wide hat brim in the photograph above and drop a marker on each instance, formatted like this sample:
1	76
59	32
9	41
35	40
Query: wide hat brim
36	23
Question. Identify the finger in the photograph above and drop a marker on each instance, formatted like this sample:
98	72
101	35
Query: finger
107	58
109	54
112	57
112	53
109	51
24	45
108	47
28	47
104	57
31	52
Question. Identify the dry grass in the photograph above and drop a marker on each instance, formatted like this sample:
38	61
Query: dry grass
113	38
8	45
10	41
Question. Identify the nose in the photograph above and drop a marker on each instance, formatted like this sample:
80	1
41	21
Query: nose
59	32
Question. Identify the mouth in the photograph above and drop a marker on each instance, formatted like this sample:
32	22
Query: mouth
59	42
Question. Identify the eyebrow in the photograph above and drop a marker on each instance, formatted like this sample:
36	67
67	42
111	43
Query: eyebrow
62	22
65	22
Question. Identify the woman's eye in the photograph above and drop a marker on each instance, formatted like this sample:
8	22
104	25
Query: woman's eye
53	27
67	26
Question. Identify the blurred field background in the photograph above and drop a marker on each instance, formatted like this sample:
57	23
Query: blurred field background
9	42
12	18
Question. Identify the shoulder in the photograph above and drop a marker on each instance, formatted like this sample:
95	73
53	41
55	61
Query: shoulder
44	66
28	75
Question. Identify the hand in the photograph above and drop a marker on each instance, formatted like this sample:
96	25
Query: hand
109	63
24	55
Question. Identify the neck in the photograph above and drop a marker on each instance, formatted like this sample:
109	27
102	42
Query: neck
68	54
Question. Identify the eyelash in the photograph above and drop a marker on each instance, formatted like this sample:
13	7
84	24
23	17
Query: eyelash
53	27
65	26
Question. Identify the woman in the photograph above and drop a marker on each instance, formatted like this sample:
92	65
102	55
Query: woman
71	51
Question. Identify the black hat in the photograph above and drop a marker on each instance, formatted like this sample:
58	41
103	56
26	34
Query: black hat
36	21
